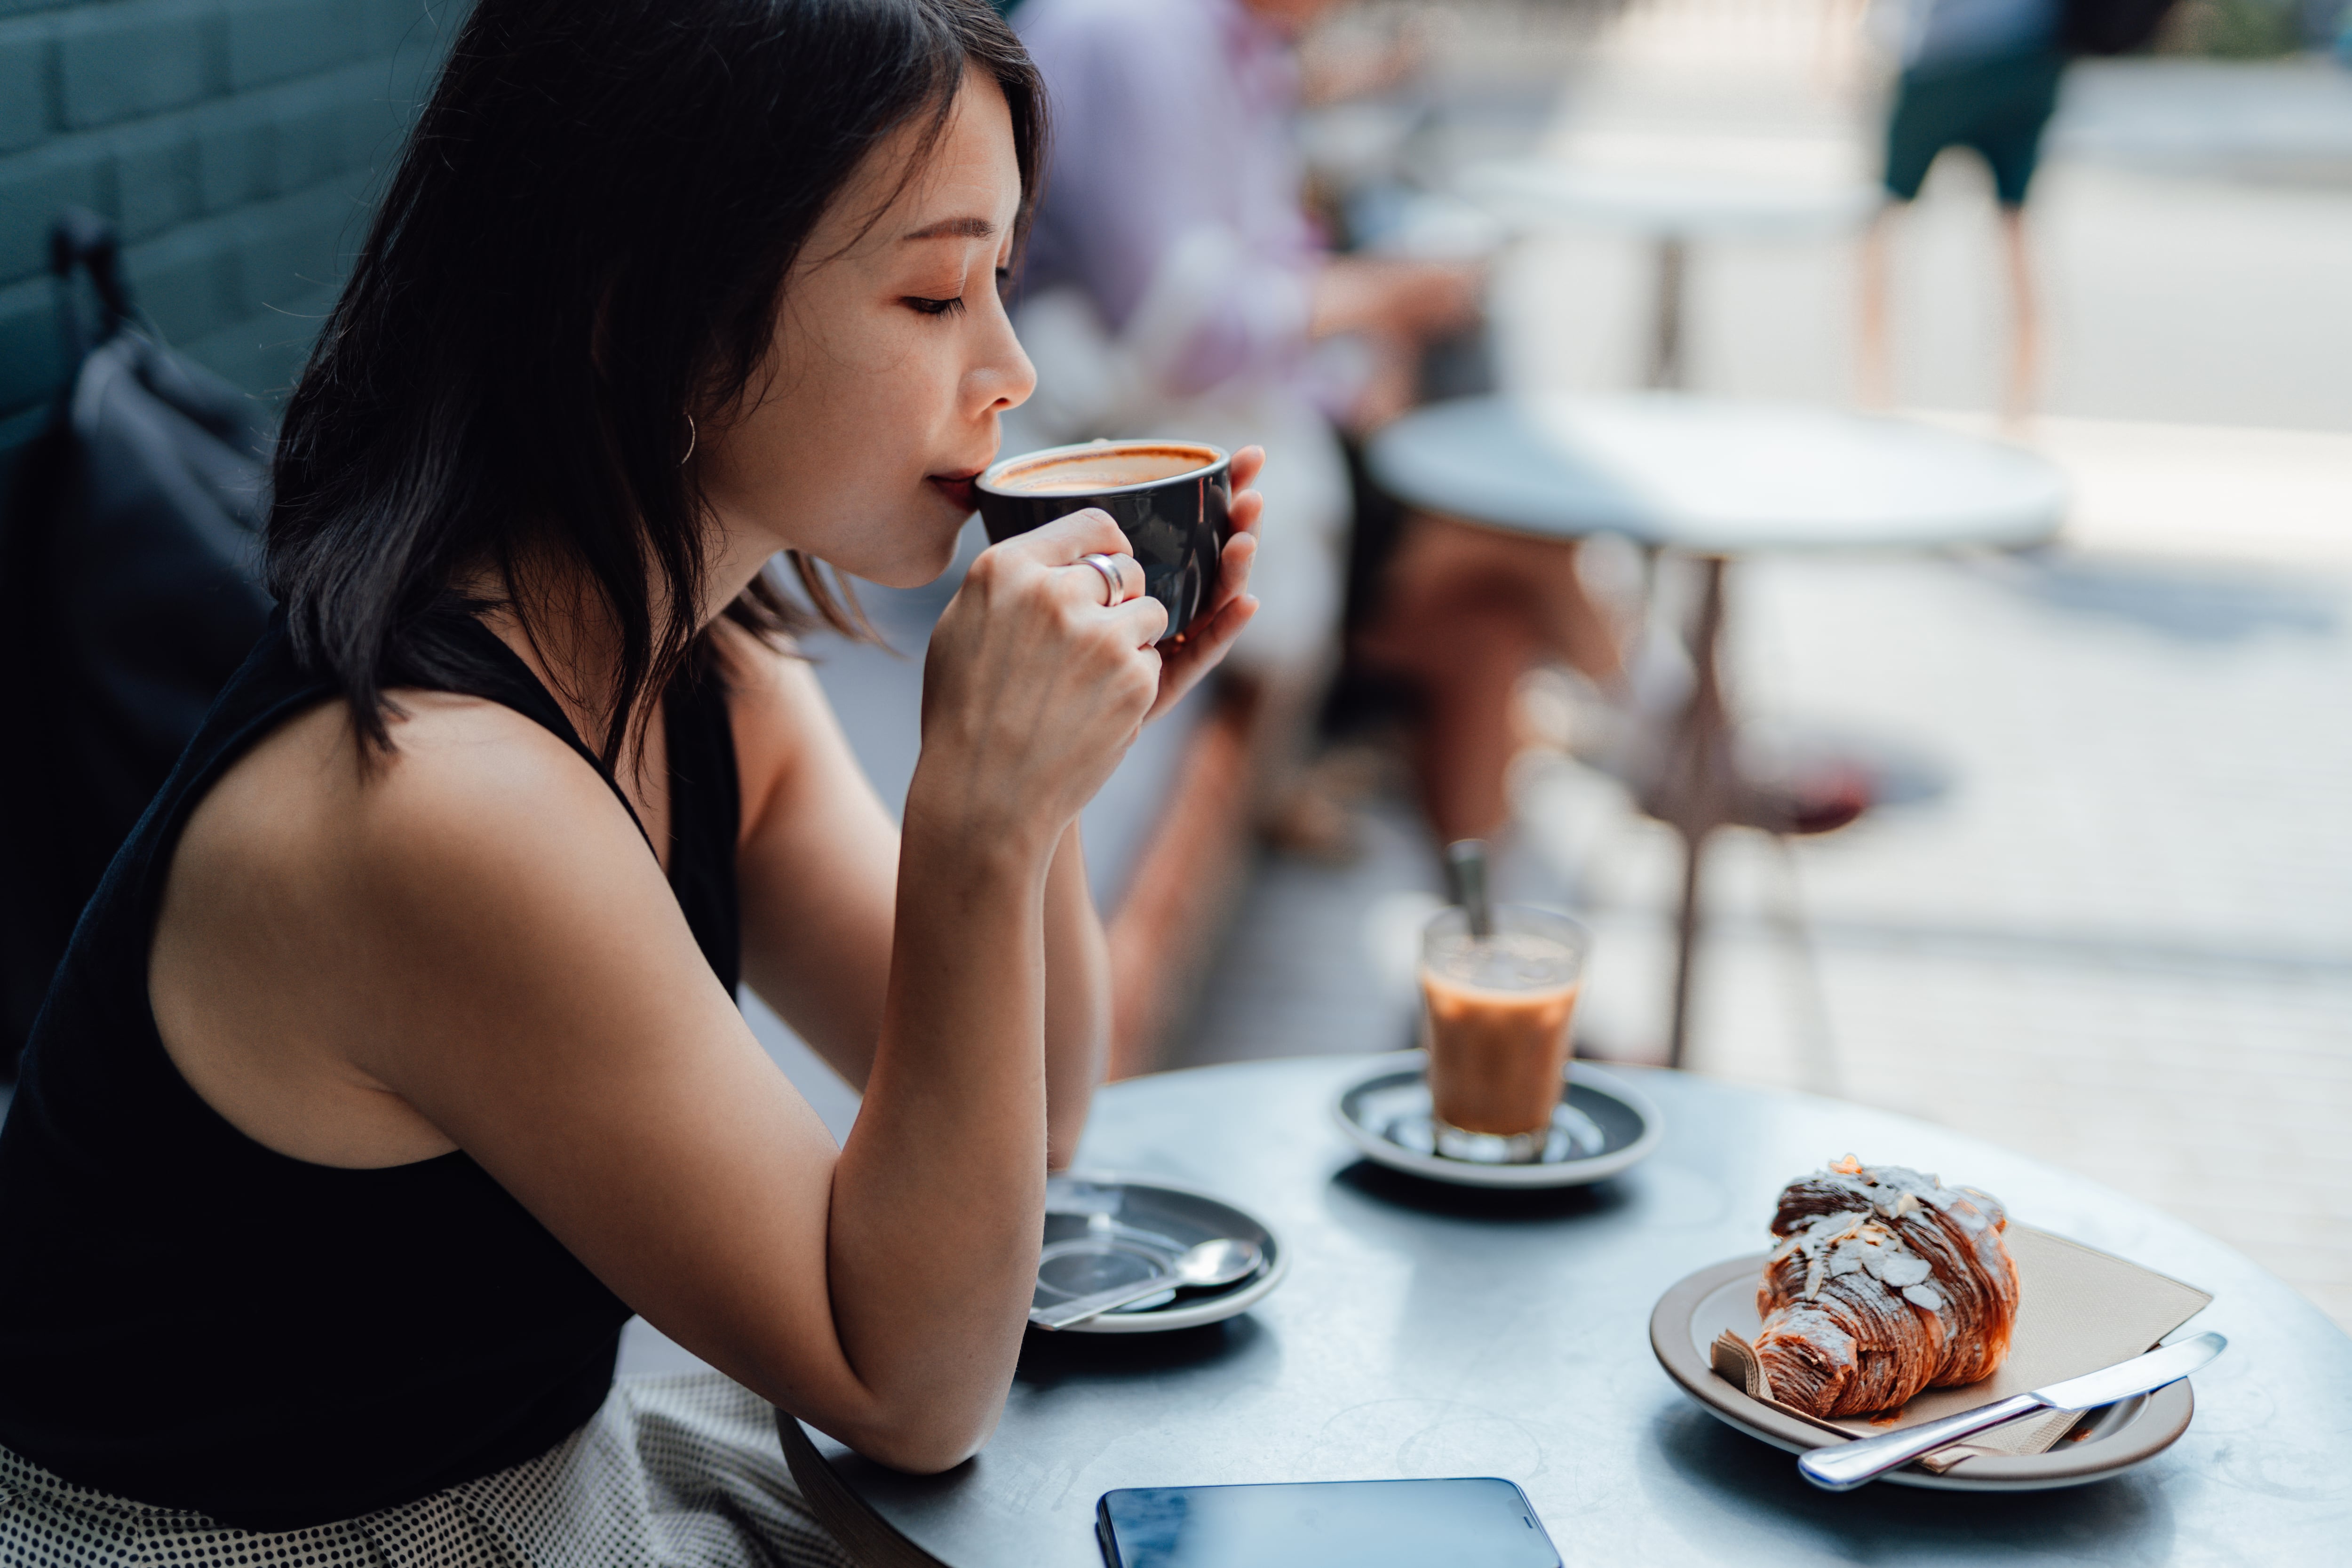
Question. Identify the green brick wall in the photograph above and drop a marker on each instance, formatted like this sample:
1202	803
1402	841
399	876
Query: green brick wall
233	142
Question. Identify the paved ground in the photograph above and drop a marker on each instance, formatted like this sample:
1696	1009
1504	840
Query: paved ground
2122	936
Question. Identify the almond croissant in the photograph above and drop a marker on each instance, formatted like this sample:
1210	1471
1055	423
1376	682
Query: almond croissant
1887	1282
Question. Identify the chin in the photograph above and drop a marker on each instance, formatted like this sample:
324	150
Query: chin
931	547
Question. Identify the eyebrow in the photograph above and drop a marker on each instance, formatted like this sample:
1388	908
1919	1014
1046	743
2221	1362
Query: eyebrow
956	229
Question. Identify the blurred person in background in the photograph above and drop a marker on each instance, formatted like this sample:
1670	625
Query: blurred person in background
1982	74
1175	284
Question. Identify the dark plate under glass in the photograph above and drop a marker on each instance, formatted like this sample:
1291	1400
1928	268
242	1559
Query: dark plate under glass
1603	1124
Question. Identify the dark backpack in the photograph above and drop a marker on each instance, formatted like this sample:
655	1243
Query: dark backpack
129	592
2111	26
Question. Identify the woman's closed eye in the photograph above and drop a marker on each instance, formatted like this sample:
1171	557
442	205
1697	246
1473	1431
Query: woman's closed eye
947	305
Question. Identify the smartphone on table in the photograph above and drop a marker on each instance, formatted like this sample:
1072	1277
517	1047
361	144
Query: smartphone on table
1476	1521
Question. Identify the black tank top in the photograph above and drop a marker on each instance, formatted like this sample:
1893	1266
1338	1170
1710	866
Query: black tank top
189	1319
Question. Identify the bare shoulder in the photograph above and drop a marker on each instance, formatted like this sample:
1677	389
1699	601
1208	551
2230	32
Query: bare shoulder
323	912
308	810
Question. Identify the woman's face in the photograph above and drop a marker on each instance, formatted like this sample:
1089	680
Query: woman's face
893	358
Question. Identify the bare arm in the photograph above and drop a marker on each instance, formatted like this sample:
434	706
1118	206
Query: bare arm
1077	1001
819	868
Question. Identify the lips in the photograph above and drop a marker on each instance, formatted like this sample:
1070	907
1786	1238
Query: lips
957	488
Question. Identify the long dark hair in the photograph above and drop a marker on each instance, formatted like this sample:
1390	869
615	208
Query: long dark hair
583	249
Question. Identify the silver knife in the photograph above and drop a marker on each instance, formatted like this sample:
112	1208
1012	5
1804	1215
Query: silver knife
1841	1466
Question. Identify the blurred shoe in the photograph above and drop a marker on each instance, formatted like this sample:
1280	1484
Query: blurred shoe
1821	802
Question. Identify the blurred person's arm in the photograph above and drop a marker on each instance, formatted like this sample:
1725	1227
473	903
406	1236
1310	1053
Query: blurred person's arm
1139	169
1418	301
1393	311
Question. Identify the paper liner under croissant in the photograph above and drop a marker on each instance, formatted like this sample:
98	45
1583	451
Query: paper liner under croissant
1887	1282
1734	1360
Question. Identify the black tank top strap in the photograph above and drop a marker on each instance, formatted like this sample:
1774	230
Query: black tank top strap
706	812
706	794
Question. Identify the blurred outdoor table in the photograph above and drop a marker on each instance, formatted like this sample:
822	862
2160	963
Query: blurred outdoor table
1672	209
1712	478
1445	1332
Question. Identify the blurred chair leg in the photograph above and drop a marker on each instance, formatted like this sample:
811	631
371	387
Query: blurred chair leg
1687	921
1667	371
2023	393
1698	792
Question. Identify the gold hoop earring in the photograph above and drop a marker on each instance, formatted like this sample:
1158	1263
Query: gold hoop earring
692	435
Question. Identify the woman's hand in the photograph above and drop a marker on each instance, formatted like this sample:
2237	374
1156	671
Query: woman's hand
1034	686
1203	645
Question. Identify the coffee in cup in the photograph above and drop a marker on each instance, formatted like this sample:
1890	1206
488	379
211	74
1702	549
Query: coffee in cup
1495	1013
1171	498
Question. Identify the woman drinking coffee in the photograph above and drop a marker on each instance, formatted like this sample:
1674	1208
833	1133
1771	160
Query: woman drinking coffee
396	1062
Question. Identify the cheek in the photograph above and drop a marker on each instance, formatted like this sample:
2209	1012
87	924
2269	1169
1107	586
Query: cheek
878	382
822	421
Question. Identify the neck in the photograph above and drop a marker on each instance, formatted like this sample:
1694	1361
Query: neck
552	616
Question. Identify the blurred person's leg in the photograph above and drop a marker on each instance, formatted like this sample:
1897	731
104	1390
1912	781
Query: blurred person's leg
1445	570
1917	128
2019	93
1463	747
1875	366
1467	611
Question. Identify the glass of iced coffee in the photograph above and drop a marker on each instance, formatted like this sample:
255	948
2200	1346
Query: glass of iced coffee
1494	1017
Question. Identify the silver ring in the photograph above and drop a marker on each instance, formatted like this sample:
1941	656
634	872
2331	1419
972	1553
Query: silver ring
1114	579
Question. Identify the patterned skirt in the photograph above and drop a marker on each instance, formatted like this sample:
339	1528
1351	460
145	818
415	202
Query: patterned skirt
673	1472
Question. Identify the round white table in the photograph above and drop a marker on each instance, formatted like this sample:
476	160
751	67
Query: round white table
1672	209
1712	478
1445	1331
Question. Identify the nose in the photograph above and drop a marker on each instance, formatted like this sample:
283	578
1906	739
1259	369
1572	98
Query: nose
1003	378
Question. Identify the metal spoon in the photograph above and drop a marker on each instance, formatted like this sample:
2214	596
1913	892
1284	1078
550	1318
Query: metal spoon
1211	1263
1466	871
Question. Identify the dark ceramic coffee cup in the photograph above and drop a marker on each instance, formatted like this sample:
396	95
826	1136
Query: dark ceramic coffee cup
1171	498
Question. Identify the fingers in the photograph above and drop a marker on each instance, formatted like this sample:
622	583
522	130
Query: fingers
1233	566
1247	464
1066	538
1206	642
1247	510
1116	580
1131	581
1239	558
1232	575
1210	636
1142	620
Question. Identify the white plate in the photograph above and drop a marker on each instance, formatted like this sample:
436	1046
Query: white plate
2105	1443
1105	1230
1386	1115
